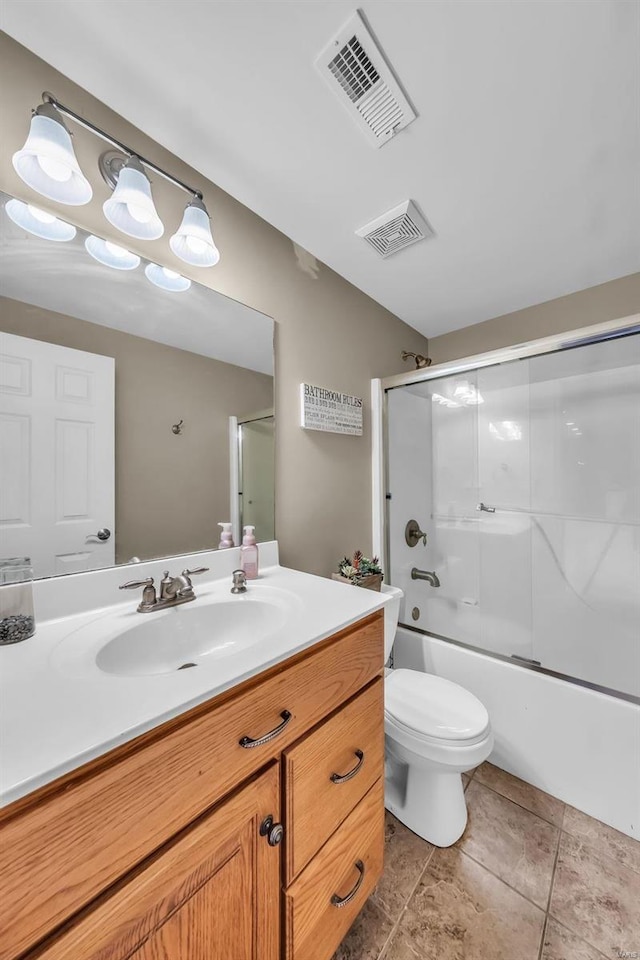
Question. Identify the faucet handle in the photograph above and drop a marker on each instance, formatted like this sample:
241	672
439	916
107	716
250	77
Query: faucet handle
134	584
239	581
149	598
191	573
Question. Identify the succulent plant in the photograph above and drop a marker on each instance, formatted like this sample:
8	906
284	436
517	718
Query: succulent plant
359	566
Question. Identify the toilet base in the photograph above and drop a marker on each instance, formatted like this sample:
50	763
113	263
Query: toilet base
429	801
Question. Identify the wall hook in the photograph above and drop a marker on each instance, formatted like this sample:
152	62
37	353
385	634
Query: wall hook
177	427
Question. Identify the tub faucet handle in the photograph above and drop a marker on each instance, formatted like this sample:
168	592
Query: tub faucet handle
413	534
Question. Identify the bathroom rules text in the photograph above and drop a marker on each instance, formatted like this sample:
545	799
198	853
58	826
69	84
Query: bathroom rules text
330	410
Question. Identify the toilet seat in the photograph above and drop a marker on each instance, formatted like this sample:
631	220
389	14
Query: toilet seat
434	710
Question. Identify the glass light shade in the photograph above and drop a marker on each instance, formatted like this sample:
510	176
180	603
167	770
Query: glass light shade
39	222
193	241
166	279
131	208
47	162
110	254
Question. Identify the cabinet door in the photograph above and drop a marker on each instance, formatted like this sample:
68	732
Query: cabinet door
213	894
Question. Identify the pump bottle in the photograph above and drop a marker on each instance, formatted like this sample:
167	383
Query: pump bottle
226	536
249	553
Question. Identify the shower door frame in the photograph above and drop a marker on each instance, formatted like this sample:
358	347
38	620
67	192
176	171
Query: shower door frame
569	340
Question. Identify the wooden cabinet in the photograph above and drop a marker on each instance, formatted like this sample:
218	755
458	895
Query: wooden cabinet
154	851
213	894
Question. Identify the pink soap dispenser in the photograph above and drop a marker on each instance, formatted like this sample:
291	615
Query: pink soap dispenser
249	554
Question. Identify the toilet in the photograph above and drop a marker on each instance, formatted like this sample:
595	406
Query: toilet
435	730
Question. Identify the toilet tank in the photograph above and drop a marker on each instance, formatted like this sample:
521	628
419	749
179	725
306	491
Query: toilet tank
391	614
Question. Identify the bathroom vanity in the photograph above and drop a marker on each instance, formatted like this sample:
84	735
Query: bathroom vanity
248	827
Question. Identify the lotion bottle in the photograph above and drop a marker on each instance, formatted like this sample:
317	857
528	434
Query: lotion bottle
226	536
249	554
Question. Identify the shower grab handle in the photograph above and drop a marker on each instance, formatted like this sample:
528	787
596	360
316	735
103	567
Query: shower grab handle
483	506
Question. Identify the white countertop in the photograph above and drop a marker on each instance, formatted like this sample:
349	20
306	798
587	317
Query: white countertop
54	719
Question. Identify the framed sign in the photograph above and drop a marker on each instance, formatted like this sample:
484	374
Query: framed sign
330	410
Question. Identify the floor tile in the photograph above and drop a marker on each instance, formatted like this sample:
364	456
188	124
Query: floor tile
460	911
603	840
528	796
399	948
597	898
560	944
367	936
405	857
511	842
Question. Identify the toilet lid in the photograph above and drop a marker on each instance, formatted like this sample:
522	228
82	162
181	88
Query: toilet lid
434	707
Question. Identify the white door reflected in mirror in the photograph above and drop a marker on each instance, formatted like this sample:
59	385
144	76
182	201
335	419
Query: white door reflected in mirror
57	485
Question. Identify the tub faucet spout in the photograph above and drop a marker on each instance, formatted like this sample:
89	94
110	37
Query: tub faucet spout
429	575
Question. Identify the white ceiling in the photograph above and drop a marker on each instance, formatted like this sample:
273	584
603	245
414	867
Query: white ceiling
63	277
525	157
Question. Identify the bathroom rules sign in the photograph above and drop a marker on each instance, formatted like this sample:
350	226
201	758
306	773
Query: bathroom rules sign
330	410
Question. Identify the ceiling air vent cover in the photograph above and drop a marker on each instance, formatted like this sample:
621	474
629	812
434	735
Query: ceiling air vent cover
355	69
396	229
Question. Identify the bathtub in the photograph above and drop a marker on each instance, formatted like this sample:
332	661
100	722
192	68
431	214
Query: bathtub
575	743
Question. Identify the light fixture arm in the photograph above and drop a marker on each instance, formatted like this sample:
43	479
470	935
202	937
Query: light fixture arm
61	108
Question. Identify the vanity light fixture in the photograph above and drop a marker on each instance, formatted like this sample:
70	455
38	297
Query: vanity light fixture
193	241
166	279
38	222
131	208
110	254
47	163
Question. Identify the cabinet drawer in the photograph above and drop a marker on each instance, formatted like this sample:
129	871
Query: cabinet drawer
102	823
325	899
330	771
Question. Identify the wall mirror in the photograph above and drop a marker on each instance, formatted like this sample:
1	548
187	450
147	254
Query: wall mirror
124	406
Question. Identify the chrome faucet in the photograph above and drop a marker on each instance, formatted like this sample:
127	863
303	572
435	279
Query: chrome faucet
239	582
173	590
429	575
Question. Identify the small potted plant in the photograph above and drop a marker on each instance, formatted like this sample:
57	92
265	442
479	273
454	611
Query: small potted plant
360	571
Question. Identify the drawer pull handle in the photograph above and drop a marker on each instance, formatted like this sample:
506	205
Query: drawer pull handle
343	901
249	742
343	777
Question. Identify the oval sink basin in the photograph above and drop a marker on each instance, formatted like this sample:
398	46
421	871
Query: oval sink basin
182	637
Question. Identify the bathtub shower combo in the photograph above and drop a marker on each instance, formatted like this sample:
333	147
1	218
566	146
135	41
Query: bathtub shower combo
509	514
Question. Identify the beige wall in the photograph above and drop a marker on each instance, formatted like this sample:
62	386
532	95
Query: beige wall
328	333
170	490
607	301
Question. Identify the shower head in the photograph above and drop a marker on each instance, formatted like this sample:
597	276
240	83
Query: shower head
421	361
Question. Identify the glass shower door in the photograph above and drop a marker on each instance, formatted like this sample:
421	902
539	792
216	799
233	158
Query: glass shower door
459	465
433	479
504	506
525	476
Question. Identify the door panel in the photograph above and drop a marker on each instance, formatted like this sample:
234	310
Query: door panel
211	894
57	485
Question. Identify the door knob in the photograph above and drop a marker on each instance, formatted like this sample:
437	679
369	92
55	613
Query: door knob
103	535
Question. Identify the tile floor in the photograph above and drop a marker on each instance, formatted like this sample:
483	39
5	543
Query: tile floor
530	879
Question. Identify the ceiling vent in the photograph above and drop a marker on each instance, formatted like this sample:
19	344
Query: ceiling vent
396	229
355	69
